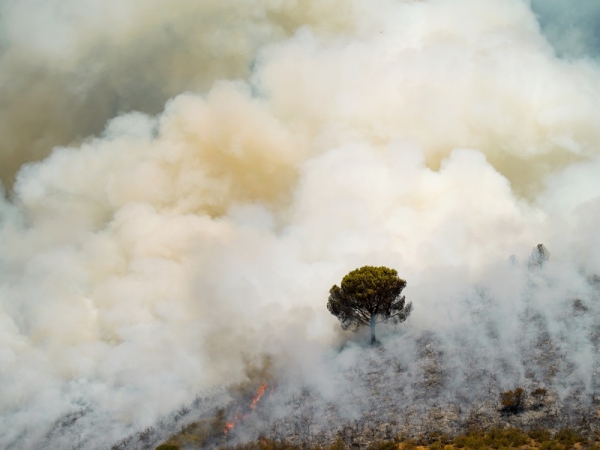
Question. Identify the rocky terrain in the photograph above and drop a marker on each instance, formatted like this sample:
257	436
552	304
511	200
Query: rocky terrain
524	355
384	400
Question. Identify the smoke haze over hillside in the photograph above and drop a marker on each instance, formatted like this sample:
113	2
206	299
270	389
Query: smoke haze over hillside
184	181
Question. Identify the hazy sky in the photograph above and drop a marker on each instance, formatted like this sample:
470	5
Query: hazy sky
573	28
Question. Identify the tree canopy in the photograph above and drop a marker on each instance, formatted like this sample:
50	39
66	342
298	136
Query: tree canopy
539	255
368	296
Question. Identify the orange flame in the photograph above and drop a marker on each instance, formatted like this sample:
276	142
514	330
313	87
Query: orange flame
238	417
258	395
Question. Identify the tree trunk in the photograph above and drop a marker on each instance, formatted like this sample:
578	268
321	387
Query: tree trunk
373	338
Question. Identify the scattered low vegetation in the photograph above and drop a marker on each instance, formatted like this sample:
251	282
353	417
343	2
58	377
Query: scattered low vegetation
379	445
167	447
495	438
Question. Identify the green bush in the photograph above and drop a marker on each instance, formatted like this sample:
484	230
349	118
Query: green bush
552	445
540	435
495	438
515	437
436	446
476	439
460	441
435	437
409	445
167	447
473	441
568	437
383	445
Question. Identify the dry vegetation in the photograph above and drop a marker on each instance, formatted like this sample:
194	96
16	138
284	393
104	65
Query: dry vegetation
477	439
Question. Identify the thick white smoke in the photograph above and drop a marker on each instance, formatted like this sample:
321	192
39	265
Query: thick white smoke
68	66
143	265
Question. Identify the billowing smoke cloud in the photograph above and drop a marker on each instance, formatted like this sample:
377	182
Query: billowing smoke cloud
67	66
142	265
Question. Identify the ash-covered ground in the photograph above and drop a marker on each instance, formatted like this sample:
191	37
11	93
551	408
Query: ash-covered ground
419	384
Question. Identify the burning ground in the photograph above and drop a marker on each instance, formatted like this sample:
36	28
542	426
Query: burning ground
184	181
417	386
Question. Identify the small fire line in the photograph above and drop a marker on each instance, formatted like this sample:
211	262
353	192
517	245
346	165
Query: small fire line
238	416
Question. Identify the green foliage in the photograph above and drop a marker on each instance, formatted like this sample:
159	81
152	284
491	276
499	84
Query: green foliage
271	444
563	440
477	439
568	437
510	437
496	438
168	447
383	445
435	437
471	441
367	296
552	445
461	441
409	445
540	435
513	401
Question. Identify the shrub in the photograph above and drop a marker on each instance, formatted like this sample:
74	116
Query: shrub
475	442
460	441
513	401
516	437
568	437
409	445
436	446
267	444
435	437
167	447
540	435
445	439
551	445
510	437
495	438
384	445
471	441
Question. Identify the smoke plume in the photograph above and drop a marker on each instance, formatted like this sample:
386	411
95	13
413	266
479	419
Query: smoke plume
184	181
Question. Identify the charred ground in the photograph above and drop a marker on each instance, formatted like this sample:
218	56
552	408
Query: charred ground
387	401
